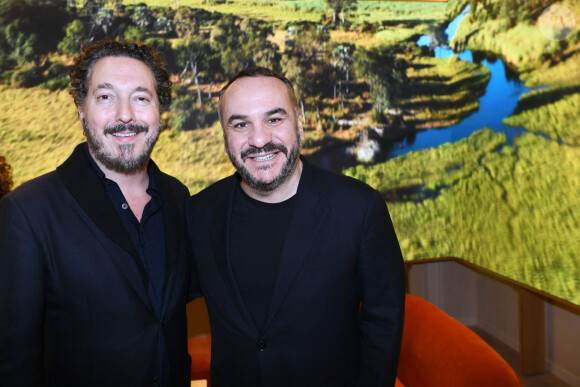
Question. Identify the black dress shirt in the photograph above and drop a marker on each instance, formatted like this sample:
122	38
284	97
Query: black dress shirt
147	235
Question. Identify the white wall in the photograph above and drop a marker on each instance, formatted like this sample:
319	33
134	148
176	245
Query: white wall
476	299
563	344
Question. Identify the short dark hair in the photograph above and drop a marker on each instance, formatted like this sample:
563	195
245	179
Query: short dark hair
80	73
257	71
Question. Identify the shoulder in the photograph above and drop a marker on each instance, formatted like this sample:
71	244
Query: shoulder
42	193
173	183
167	182
220	190
37	188
212	202
337	184
344	195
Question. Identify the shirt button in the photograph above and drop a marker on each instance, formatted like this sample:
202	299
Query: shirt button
261	345
124	206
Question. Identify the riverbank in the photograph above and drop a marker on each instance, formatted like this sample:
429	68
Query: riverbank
551	67
511	209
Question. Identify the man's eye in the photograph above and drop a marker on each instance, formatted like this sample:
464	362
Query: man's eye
103	97
241	125
274	120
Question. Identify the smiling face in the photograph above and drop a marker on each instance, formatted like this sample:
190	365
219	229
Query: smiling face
121	116
262	133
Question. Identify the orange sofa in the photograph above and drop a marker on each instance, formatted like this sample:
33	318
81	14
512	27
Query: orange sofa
438	350
199	349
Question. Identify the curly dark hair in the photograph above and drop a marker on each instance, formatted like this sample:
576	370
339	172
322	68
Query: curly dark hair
5	177
80	73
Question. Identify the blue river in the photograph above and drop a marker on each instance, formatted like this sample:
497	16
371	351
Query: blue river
499	101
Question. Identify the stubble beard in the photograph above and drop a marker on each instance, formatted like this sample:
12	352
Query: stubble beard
253	182
127	162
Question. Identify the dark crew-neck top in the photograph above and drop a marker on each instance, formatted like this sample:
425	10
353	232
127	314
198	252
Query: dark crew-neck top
258	233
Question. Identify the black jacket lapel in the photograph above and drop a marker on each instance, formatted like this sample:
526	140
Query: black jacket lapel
309	214
84	184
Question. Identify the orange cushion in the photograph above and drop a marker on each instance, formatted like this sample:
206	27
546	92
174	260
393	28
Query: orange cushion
438	350
199	349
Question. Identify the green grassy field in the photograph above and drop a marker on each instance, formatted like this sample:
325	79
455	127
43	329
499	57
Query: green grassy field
41	129
510	209
513	209
312	10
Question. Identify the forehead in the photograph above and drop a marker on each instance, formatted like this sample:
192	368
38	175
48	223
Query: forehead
120	70
256	95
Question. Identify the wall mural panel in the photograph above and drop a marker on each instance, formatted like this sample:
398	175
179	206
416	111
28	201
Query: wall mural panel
463	114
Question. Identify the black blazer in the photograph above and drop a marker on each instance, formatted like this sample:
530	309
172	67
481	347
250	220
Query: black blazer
341	251
74	309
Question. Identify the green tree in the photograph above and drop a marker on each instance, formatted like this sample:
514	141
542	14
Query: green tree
306	61
20	45
385	72
342	61
30	29
242	43
76	35
134	34
164	47
192	54
257	42
186	22
90	10
186	116
339	7
142	16
104	19
165	25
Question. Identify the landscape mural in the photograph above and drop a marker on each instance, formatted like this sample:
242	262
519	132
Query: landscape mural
463	114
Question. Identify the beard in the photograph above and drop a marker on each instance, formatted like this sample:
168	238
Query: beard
127	162
292	156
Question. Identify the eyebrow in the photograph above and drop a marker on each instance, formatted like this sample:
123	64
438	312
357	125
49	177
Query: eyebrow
236	117
269	113
104	86
144	89
275	111
107	85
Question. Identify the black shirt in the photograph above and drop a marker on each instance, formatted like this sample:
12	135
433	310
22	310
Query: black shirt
258	232
147	235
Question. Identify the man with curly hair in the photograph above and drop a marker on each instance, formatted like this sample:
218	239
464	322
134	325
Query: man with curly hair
93	286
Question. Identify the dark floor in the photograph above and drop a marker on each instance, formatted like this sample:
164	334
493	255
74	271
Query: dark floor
513	358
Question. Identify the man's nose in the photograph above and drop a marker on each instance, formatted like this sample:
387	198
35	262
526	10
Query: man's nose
125	112
259	136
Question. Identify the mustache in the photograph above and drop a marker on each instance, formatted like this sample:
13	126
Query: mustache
126	127
254	151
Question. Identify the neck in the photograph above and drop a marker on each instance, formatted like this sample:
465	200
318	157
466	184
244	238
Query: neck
133	186
284	192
